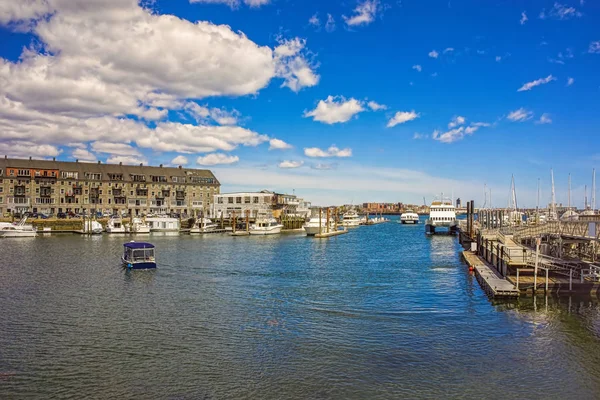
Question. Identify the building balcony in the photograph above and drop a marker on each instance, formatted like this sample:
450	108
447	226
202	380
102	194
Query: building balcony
21	201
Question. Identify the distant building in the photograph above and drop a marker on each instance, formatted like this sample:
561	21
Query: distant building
381	207
50	186
458	203
259	205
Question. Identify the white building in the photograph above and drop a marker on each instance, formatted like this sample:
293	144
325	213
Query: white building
253	204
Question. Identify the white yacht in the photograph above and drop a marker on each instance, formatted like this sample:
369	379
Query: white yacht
163	224
409	217
204	225
350	219
115	225
442	214
317	225
266	226
138	225
18	230
92	227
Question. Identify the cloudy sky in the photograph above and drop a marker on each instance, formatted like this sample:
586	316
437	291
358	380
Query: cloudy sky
341	101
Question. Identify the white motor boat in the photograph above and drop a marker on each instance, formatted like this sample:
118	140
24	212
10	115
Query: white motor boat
350	219
92	227
204	225
18	230
163	224
409	217
267	226
317	225
442	214
115	225
138	225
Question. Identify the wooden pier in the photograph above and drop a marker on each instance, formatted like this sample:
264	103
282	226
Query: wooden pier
490	280
331	233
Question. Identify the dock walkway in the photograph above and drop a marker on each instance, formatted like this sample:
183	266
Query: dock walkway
490	280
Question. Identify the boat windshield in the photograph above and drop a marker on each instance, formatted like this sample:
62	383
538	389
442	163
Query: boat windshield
140	255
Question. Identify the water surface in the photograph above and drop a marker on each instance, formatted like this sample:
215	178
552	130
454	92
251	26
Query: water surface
382	312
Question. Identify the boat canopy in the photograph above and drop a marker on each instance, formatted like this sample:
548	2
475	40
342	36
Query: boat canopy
138	245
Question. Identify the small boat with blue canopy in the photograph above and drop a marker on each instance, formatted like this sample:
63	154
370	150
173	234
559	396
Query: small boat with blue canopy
138	255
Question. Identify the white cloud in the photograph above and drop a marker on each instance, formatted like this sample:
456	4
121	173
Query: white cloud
330	24
233	3
418	136
203	114
544	119
433	54
498	58
292	65
434	74
364	13
376	107
324	166
25	149
187	138
523	18
537	82
594	47
454	135
520	115
216	158
401	117
315	21
179	160
561	12
570	81
335	110
332	151
119	149
417	67
456	121
277	144
290	164
448	50
83	155
130	160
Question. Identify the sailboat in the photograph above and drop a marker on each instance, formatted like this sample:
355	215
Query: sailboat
569	215
515	217
590	210
552	215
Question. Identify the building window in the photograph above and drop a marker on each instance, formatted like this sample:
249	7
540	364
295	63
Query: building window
12	173
220	200
255	200
69	175
238	200
246	200
230	200
62	191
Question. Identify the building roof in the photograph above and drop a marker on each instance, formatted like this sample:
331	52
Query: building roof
126	170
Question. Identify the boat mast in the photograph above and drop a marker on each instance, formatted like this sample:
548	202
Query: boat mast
585	199
537	208
594	190
553	195
484	195
569	198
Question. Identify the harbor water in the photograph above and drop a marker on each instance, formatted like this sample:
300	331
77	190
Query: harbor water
383	312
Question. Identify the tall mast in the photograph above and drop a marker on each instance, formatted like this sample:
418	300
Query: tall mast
569	201
484	195
513	193
594	190
585	199
537	208
553	195
491	206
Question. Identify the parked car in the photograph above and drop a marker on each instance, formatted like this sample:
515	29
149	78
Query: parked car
61	215
71	214
17	215
43	216
33	215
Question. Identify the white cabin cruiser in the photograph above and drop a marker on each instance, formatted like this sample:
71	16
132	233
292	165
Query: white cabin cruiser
138	225
92	227
163	224
442	214
204	225
115	225
266	226
18	230
350	219
409	217
317	225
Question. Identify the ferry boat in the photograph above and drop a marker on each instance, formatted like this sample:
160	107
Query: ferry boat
442	214
115	225
350	219
409	217
18	230
316	225
163	224
204	225
138	255
267	226
138	225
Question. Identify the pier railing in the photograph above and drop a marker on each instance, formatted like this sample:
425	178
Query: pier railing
573	229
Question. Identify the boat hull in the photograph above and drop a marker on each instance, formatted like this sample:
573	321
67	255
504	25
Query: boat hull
141	230
409	222
17	234
313	230
262	232
138	265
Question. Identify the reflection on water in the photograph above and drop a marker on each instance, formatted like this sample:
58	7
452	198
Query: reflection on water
382	312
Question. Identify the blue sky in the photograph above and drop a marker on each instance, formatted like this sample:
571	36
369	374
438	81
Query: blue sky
388	101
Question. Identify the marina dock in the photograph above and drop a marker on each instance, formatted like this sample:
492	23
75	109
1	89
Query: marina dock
489	279
332	233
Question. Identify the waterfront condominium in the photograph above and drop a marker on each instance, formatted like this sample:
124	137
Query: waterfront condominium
50	186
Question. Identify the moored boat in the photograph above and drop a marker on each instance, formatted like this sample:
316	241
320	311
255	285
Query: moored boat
18	230
204	225
317	225
138	255
115	225
442	214
163	224
266	226
350	219
409	217
138	225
